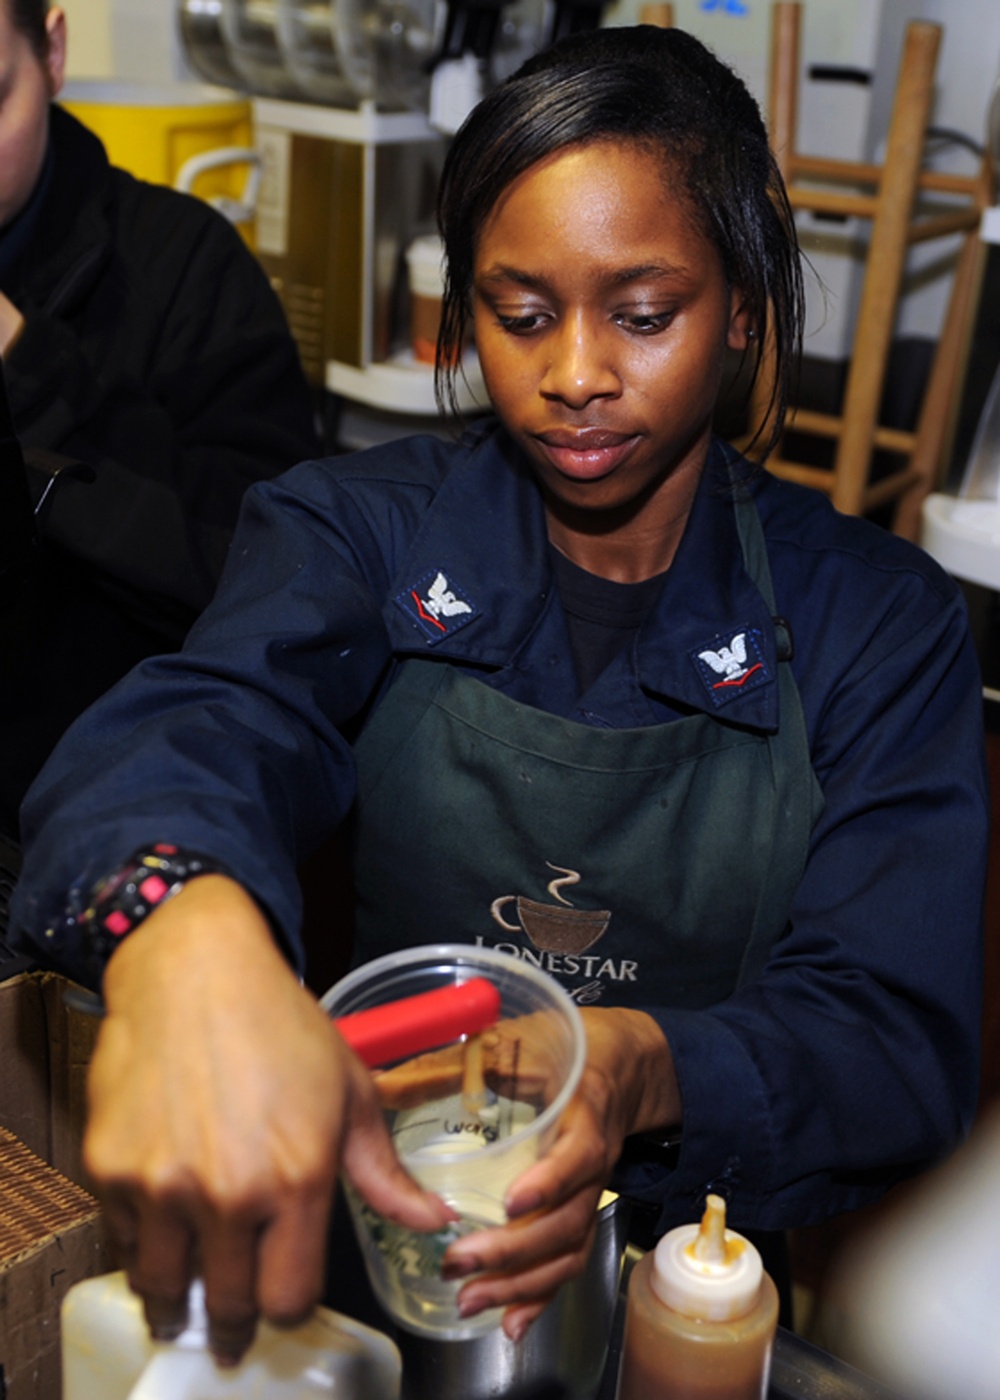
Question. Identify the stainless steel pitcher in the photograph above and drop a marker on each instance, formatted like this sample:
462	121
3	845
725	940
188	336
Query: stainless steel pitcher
568	1345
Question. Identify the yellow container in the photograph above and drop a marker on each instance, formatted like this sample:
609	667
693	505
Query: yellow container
152	131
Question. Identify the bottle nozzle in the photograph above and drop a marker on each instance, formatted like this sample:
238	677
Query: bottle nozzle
707	1271
709	1246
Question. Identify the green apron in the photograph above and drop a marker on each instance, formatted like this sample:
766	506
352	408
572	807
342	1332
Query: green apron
640	867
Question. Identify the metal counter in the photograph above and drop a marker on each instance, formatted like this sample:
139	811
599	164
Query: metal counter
800	1371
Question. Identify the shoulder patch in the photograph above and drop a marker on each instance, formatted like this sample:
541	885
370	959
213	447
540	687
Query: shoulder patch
732	663
437	605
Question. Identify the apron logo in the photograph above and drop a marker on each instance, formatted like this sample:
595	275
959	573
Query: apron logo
554	928
562	935
732	664
437	606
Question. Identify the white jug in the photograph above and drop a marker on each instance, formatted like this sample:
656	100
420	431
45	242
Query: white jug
108	1355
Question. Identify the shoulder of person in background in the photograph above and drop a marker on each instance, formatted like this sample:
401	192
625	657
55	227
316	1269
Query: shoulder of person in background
138	270
155	350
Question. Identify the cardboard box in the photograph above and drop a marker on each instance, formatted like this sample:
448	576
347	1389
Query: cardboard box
45	1046
51	1230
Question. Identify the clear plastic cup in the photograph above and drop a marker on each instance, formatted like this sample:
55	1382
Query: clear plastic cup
466	1118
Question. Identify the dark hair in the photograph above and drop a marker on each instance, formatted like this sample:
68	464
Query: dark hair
28	18
663	90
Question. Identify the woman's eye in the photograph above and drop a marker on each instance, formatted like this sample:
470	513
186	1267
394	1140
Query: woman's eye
644	322
522	324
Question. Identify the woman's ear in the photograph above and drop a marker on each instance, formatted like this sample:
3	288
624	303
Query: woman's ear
740	330
55	58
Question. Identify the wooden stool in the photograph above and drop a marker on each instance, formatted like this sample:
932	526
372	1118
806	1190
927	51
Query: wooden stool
893	196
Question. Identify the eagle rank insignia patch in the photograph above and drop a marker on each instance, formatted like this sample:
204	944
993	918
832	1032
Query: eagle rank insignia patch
732	664
436	605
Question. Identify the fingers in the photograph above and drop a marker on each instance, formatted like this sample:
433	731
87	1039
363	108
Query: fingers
526	1291
526	1261
370	1163
516	1321
552	1213
229	1270
162	1261
162	1250
123	1229
166	1318
156	1255
580	1158
276	1269
161	1270
292	1261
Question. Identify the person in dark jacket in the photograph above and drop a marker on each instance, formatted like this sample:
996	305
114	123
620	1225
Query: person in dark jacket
140	337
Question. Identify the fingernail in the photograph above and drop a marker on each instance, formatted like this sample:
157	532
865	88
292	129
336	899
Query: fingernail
468	1307
229	1341
166	1318
461	1267
166	1331
516	1328
523	1204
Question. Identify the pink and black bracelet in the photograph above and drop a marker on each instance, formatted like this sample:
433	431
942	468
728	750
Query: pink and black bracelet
83	938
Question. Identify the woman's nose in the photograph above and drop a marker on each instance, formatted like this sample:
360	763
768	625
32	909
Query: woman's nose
580	366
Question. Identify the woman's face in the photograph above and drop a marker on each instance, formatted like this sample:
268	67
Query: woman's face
26	86
602	318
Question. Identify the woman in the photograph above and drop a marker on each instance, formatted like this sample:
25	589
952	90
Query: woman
587	658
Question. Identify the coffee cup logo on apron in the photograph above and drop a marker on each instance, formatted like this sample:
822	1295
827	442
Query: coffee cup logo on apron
554	928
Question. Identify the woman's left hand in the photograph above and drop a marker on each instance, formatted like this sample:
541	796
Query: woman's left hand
628	1086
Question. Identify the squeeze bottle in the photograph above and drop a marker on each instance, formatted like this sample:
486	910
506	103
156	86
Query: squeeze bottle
700	1318
107	1354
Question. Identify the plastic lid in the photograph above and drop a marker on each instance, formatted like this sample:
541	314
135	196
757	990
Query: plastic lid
706	1271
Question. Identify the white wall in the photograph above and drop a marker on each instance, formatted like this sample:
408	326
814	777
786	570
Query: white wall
968	68
90	48
133	40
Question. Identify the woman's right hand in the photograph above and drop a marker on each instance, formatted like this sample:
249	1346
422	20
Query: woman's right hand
222	1104
629	1085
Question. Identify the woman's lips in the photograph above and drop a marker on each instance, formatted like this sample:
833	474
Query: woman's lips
586	454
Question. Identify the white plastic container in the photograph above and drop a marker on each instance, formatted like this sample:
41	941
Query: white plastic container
108	1355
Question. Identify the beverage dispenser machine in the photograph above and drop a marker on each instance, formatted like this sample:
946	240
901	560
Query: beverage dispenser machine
342	193
350	161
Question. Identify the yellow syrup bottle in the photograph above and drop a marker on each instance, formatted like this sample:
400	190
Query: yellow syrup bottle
701	1317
